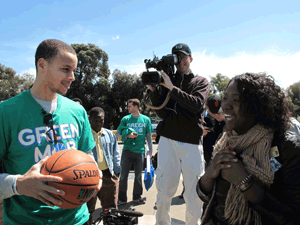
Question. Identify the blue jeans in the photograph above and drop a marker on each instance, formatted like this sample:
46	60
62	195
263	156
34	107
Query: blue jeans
128	159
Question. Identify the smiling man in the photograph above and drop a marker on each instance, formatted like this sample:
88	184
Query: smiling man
36	124
180	148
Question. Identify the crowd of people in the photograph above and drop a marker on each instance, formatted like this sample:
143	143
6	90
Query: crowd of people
238	154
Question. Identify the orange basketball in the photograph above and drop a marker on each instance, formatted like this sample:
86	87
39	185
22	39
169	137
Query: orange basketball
80	176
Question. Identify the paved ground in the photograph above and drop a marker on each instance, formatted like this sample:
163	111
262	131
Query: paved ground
177	207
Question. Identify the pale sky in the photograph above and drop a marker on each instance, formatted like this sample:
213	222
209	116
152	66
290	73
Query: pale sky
228	37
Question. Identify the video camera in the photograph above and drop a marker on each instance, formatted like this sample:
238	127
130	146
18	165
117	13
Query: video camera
121	217
166	64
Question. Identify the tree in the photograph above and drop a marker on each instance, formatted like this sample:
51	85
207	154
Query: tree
125	86
11	84
91	77
293	93
28	80
93	87
218	84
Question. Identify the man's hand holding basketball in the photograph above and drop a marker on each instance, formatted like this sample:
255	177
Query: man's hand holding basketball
34	184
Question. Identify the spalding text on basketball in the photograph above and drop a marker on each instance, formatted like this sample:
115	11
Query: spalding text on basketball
79	174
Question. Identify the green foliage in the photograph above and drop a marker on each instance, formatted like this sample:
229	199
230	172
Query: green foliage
93	87
125	86
218	84
28	80
11	84
293	93
91	77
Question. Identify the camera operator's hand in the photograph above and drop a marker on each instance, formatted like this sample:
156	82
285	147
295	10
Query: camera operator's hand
151	87
167	81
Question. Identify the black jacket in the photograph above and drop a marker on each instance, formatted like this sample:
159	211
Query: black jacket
211	138
184	113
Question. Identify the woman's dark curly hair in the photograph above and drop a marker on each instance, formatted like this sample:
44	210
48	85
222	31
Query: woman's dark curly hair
261	97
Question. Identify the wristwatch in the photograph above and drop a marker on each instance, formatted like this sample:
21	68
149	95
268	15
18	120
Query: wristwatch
246	183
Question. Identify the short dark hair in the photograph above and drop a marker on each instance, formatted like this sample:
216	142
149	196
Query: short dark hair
134	102
77	100
49	48
96	111
261	97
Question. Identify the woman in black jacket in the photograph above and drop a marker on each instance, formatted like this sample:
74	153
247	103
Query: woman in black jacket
254	175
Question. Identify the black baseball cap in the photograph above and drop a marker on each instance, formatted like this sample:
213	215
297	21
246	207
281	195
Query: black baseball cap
184	48
213	103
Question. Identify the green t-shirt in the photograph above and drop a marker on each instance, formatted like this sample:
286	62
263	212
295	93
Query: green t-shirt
142	126
23	144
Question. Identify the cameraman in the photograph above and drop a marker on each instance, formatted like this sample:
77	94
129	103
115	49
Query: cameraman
180	148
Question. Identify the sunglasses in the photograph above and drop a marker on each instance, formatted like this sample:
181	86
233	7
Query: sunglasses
48	121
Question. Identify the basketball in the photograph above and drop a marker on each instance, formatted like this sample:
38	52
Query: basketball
80	176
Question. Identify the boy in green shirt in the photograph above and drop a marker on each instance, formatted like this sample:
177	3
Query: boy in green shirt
134	128
34	125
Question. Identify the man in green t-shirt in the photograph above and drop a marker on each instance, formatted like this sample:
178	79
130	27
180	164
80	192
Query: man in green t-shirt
34	125
134	128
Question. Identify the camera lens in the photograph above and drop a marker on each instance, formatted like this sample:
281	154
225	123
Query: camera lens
151	78
176	59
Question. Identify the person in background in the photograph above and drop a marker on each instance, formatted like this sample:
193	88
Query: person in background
253	177
107	155
180	148
293	116
134	128
214	121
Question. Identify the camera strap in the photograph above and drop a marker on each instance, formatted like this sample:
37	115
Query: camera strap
146	98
